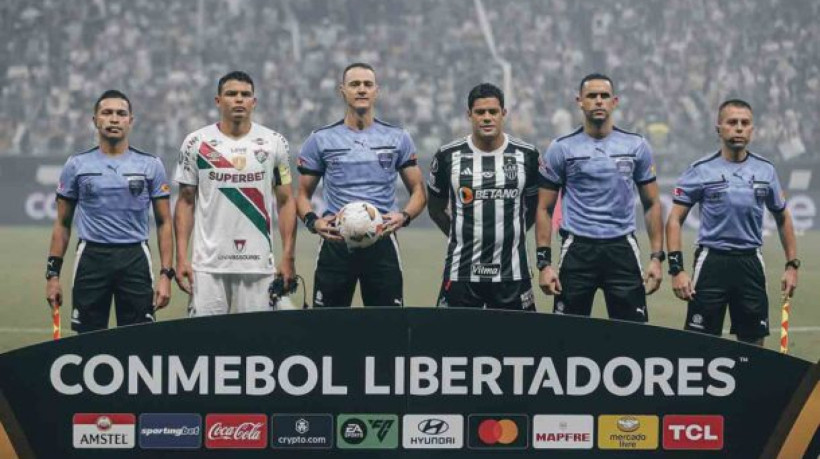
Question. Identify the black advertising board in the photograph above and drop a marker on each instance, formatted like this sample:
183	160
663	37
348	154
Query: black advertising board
412	382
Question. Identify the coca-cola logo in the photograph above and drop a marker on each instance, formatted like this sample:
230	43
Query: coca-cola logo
236	431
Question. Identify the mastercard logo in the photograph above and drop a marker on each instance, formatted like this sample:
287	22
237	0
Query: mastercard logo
503	431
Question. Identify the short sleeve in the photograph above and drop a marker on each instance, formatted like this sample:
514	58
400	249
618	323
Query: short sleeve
67	186
281	165
310	160
438	181
551	170
644	171
776	198
689	189
407	152
158	182
187	172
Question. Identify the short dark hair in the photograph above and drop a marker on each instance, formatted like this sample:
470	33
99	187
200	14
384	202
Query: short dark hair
740	103
237	75
112	94
485	91
359	65
595	76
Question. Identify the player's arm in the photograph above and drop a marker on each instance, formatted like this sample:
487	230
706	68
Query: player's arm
651	201
437	208
165	242
414	182
286	207
321	226
60	235
785	228
548	278
183	226
681	282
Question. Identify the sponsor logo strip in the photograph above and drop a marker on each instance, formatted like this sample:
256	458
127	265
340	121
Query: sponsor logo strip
498	431
367	431
562	431
236	431
693	432
626	431
170	431
433	431
104	430
302	431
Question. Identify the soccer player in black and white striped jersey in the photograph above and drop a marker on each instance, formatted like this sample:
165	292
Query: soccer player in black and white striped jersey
483	193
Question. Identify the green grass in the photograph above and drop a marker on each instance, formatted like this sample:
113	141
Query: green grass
24	316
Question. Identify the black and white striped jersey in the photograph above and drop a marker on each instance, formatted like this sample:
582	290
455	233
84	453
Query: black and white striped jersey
486	193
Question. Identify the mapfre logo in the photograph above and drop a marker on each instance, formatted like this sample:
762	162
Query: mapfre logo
236	431
693	432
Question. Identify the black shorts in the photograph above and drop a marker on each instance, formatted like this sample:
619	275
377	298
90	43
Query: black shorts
612	265
377	268
510	295
121	271
734	278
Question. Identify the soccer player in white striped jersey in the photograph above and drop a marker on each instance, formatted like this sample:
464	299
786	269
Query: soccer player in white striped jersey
489	182
228	174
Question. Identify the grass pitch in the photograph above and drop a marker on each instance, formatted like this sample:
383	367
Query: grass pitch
25	318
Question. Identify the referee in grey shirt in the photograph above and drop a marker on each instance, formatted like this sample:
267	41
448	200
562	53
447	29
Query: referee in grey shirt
598	168
732	187
110	188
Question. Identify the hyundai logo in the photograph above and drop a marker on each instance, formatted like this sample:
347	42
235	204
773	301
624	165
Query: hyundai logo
433	426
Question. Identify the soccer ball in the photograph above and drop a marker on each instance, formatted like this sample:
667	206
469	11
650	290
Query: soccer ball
360	224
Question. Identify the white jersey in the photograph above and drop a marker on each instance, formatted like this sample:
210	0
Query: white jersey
232	215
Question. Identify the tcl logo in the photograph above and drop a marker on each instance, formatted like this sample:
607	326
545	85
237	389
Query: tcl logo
236	431
692	432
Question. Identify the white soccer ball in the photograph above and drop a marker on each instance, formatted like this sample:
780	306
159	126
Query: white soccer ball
360	224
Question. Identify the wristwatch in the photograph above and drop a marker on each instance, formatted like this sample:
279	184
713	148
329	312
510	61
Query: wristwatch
168	272
793	263
660	255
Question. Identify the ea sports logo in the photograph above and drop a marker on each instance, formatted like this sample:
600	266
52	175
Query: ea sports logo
492	431
465	195
354	431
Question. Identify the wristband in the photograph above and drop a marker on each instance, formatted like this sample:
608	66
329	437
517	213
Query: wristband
407	218
543	257
55	264
675	262
310	221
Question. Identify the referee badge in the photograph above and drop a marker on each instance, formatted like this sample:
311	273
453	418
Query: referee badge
136	185
625	167
386	160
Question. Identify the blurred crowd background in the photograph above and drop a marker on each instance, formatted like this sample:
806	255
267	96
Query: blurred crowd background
673	63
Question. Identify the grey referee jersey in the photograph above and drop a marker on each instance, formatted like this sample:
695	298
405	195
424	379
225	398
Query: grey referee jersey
486	192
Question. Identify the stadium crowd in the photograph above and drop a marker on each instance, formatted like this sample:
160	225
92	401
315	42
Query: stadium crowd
672	62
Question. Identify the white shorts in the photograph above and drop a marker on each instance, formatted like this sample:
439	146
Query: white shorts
219	293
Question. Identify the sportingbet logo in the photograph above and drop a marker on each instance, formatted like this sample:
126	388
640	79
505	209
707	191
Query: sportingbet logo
236	431
104	431
368	431
693	432
170	431
562	431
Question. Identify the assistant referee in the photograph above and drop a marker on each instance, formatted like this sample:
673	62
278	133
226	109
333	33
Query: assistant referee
110	188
